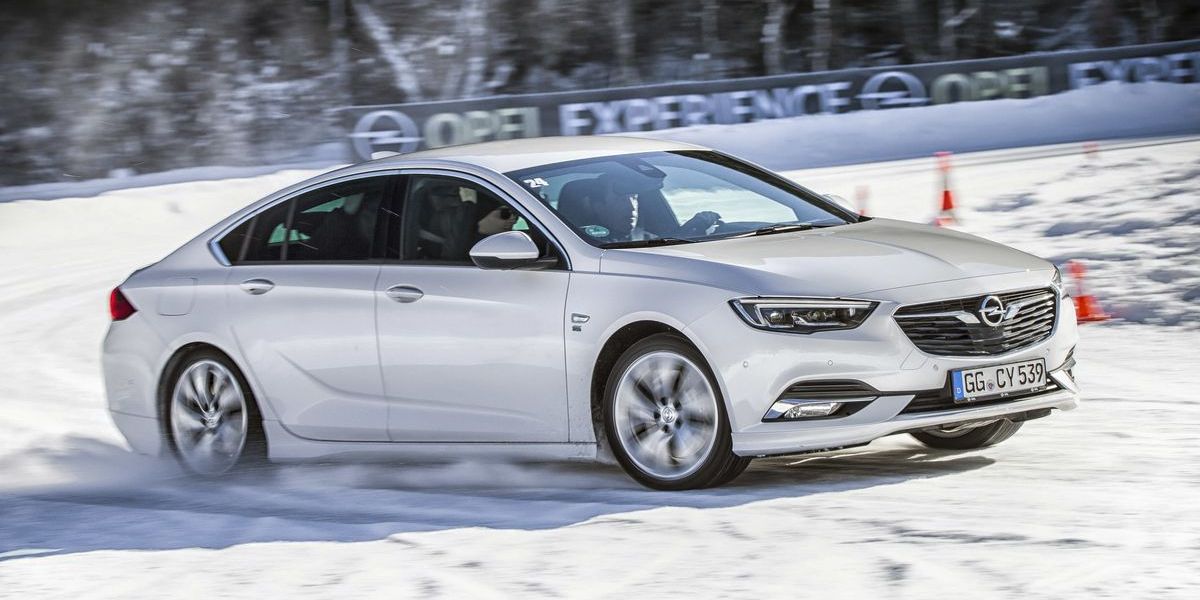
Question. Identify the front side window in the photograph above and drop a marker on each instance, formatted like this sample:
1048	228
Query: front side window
333	223
672	197
445	216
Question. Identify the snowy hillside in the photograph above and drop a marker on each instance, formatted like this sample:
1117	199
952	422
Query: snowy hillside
1099	502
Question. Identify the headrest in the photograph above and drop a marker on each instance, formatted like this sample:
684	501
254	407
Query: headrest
572	204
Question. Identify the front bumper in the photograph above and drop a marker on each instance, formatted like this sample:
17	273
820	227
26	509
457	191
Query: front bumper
883	417
754	368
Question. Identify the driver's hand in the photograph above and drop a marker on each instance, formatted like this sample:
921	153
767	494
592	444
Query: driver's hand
701	222
495	223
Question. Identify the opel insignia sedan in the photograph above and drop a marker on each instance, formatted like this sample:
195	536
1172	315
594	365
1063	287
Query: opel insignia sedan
670	306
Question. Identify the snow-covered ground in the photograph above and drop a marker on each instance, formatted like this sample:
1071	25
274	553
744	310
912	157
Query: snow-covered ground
1098	502
1130	213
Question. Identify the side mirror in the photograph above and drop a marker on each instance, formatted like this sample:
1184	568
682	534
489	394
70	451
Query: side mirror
842	202
506	250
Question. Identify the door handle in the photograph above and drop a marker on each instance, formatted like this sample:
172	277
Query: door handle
404	293
257	287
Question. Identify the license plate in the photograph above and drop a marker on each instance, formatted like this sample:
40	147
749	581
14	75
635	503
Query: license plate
998	381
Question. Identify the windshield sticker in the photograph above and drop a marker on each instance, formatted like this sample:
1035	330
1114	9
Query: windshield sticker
596	231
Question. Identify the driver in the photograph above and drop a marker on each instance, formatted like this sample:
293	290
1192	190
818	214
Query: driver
618	213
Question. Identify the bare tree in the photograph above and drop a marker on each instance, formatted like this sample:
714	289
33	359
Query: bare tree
773	31
1104	26
1151	22
914	30
339	49
476	44
822	35
623	41
403	72
710	39
947	31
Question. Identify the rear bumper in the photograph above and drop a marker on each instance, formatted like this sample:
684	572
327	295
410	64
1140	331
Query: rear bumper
144	434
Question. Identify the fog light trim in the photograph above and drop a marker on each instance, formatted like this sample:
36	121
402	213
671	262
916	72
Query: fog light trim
803	409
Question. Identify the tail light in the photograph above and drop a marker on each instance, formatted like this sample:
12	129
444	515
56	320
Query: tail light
119	306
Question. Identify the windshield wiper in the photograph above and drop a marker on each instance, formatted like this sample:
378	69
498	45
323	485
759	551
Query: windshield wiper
777	228
663	241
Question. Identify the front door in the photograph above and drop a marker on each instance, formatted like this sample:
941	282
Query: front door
468	354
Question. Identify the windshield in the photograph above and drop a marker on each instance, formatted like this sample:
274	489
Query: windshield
657	198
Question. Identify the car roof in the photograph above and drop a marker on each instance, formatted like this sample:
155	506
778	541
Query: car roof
513	155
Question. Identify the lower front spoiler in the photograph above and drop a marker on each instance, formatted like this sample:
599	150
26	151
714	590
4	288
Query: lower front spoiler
831	436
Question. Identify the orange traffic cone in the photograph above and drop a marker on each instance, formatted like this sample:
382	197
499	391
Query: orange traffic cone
946	216
861	194
1087	309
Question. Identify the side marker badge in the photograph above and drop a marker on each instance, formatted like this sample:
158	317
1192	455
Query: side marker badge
577	320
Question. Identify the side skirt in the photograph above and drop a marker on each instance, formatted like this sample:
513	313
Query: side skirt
283	446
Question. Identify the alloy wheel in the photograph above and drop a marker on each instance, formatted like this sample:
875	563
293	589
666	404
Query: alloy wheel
665	415
209	418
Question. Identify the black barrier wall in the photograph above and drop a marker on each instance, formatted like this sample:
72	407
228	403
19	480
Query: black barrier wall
409	127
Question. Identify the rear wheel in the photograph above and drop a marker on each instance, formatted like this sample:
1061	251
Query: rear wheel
977	437
212	419
665	419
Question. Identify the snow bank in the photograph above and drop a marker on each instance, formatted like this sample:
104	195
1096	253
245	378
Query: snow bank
95	187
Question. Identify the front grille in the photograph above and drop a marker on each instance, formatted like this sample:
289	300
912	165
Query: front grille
943	399
954	327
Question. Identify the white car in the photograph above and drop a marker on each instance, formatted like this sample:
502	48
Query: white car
568	297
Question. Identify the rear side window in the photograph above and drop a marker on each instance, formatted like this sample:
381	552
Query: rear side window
334	223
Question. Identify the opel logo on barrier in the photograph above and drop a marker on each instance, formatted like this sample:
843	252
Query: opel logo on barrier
912	92
991	311
389	128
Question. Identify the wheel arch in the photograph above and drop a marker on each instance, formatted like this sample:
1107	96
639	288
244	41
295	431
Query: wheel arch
615	344
179	353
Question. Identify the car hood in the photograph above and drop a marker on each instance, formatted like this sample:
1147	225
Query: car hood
847	260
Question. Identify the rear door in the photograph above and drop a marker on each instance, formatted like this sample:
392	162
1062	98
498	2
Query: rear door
468	354
302	308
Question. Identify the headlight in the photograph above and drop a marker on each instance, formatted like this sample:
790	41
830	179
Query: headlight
802	315
1056	281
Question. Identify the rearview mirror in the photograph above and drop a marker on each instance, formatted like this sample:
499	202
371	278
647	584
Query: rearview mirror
506	250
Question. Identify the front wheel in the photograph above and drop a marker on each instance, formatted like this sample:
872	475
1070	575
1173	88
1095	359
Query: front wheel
970	439
665	419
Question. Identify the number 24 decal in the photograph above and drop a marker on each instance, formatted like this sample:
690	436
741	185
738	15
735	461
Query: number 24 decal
536	182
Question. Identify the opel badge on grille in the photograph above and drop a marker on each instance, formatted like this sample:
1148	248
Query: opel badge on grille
991	311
